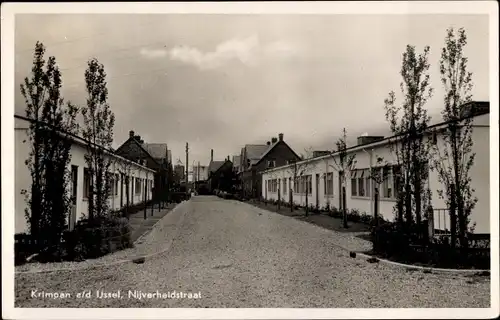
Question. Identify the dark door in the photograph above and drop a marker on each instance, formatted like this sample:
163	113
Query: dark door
317	190
122	177
74	187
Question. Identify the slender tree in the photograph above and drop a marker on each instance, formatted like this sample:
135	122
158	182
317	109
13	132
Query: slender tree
344	163
98	131
412	151
298	171
455	158
125	171
52	123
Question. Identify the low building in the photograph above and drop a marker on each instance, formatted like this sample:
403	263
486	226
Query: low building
155	156
141	178
179	173
257	158
221	176
321	181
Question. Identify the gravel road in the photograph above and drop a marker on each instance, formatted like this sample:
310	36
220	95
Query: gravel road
236	255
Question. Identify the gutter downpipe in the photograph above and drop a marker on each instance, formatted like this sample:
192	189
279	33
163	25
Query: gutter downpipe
372	207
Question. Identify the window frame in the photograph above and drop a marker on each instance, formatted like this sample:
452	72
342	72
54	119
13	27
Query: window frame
86	183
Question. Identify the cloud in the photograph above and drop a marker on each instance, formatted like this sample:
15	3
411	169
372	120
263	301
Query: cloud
249	51
153	53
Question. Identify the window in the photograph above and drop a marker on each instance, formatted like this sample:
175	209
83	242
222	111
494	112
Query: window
309	184
329	183
361	183
284	186
279	184
396	174
271	163
117	177
387	183
354	189
368	181
296	185
137	186
111	182
86	183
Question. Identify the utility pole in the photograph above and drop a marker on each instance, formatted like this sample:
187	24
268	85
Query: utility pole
187	166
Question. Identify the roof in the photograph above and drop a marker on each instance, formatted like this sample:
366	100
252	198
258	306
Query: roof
215	165
83	142
272	147
156	150
478	108
255	151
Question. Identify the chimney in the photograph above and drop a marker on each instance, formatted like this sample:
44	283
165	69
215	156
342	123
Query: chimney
280	136
274	140
211	155
268	143
131	133
365	139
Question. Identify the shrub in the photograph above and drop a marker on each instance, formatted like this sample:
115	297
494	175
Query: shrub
336	213
389	240
354	215
93	239
23	248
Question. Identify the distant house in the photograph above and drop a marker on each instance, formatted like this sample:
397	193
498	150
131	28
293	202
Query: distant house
256	158
155	156
221	175
179	173
237	163
201	173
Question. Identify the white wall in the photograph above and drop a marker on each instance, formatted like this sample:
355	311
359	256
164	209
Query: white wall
480	175
23	177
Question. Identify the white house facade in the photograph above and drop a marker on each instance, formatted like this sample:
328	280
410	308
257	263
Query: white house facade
140	187
321	178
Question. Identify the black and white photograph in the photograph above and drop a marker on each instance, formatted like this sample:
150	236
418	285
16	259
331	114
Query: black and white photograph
250	160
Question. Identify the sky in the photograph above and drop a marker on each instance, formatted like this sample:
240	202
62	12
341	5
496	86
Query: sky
221	81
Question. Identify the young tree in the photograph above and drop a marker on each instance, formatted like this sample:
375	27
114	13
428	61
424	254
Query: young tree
412	152
98	131
454	161
298	171
49	133
125	171
345	164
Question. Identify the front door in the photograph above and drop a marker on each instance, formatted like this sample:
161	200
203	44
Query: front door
317	190
340	191
74	186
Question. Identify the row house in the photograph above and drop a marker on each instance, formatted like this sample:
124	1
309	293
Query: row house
155	156
256	158
320	181
140	177
221	175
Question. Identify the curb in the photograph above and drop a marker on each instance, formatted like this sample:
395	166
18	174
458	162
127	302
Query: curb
421	268
101	265
385	261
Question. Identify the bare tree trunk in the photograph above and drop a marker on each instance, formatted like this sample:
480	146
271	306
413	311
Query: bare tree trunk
344	209
279	199
375	205
453	217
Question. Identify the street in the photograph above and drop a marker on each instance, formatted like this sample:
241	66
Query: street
232	254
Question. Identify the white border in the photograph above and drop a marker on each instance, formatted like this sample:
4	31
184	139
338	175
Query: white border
414	7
